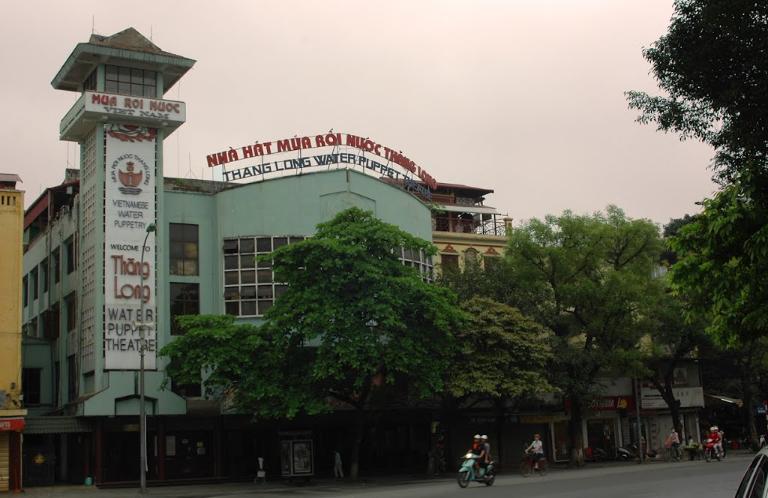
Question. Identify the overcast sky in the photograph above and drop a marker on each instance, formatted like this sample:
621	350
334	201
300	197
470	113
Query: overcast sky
521	96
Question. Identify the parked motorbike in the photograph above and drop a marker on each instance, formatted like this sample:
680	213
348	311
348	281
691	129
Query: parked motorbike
631	453
467	472
711	451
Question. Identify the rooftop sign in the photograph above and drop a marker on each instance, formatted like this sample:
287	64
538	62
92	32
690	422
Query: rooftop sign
389	157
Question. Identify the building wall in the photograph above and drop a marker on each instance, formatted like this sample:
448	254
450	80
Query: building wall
11	226
283	206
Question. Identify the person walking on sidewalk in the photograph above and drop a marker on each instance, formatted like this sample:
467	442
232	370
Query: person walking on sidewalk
672	444
338	467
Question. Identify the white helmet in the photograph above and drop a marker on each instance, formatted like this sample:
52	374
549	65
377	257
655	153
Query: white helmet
476	436
484	437
713	428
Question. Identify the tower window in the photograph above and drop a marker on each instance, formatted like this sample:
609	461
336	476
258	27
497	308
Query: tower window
130	81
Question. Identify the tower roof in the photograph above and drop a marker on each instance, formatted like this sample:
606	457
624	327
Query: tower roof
127	47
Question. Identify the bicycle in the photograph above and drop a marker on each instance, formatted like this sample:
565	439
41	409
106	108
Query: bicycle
528	466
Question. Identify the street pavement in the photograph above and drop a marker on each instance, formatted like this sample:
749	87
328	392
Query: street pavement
658	480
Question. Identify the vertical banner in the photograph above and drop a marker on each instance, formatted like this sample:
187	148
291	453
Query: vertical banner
129	208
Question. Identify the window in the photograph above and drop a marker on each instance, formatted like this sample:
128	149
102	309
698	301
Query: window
69	244
25	291
44	274
33	327
130	81
55	265
185	300
71	378
56	381
491	263
35	283
418	260
90	82
449	261
186	390
30	386
50	323
184	249
71	304
757	469
471	256
249	286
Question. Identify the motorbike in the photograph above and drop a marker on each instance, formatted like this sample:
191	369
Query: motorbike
631	453
467	472
710	451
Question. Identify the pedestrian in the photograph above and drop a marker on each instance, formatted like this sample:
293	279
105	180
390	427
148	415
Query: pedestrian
672	444
338	467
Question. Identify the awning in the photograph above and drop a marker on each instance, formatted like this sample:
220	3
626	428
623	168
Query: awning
56	425
725	399
466	209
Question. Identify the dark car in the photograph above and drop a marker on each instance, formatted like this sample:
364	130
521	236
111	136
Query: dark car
753	485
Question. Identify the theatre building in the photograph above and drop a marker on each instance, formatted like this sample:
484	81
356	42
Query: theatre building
115	244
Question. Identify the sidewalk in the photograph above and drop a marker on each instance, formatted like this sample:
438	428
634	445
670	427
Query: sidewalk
328	485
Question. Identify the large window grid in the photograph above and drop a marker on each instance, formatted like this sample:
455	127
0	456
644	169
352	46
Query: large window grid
249	286
130	81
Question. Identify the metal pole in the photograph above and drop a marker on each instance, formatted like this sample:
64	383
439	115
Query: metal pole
639	422
142	349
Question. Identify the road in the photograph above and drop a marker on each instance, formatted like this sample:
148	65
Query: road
657	480
680	480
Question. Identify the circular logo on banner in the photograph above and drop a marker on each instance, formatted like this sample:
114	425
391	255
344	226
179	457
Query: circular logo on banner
131	171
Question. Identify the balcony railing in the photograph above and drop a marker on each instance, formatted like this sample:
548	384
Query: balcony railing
493	226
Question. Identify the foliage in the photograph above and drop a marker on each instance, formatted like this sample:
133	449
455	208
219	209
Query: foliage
723	258
353	319
712	67
500	353
589	279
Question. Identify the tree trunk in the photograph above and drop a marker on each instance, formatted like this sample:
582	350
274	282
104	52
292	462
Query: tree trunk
358	431
500	412
749	411
674	408
575	427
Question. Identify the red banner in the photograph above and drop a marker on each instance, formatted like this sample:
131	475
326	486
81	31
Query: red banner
12	424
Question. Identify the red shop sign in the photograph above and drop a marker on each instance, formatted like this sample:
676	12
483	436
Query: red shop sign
12	424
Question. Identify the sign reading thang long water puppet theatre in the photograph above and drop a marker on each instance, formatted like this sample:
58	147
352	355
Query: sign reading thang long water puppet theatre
129	284
339	149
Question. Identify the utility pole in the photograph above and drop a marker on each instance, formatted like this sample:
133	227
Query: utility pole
142	348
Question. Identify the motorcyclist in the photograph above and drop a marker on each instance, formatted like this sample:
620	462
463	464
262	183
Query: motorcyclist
476	449
486	449
714	436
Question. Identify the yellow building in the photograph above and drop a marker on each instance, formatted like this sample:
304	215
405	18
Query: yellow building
11	410
463	227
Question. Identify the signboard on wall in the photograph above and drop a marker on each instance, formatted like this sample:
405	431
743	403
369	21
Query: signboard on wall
687	396
129	283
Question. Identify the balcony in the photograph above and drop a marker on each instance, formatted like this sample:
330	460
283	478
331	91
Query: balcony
483	223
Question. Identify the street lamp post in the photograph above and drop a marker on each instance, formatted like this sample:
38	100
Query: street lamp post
142	348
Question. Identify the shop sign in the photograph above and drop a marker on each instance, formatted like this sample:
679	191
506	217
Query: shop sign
129	283
542	419
139	108
689	397
11	424
612	403
388	157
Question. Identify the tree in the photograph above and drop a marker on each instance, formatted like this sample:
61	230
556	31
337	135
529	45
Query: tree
711	65
674	334
353	323
722	263
500	356
590	276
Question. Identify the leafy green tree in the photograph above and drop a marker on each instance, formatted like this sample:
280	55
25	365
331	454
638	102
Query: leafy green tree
674	335
353	324
722	263
712	69
590	278
500	356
